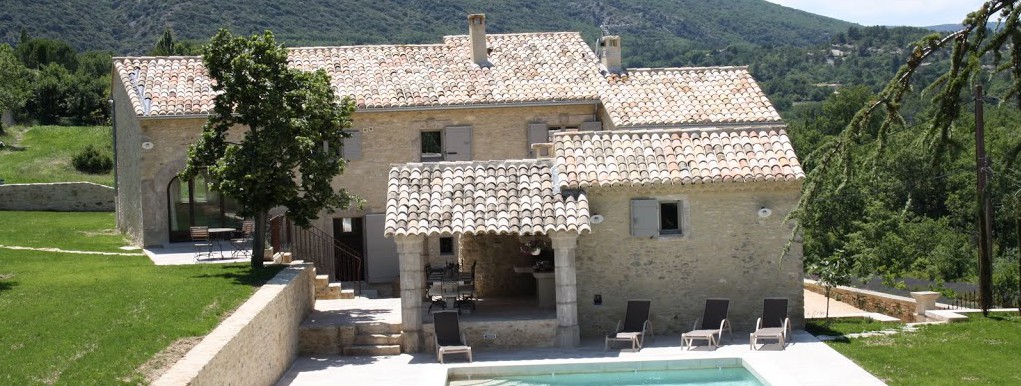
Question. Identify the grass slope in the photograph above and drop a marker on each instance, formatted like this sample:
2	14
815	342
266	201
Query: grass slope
981	351
132	27
73	231
43	153
72	319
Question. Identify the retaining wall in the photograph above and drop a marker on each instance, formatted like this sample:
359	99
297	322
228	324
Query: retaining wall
256	344
58	197
900	307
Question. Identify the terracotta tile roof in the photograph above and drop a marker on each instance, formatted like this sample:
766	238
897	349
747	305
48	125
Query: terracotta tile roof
504	197
166	85
674	156
533	67
677	96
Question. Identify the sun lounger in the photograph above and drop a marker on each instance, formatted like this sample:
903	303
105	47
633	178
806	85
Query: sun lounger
634	326
773	324
711	325
448	337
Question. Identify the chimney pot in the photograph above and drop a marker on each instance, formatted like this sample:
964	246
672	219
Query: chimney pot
477	39
609	47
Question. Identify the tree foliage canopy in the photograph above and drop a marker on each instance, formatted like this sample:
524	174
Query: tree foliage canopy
16	87
293	130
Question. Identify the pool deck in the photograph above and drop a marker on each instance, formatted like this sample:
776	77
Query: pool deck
806	361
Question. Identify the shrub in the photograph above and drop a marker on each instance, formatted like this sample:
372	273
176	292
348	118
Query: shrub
92	161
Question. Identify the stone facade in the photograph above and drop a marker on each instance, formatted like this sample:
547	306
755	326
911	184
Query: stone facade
258	342
501	334
59	197
726	250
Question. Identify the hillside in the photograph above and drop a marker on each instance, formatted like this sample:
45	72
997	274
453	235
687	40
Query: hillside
132	27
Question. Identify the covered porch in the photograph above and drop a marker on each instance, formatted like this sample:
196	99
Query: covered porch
494	208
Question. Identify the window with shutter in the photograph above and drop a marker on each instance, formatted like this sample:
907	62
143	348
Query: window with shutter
352	150
591	126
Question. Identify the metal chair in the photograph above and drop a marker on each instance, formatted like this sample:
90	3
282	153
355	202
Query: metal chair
242	244
200	239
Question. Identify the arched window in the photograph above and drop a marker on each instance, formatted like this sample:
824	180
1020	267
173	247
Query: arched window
195	203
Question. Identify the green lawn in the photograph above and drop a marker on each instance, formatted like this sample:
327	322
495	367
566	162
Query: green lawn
980	351
76	231
43	153
72	319
844	326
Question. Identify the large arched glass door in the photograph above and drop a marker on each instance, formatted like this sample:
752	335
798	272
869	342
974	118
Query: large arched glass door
195	203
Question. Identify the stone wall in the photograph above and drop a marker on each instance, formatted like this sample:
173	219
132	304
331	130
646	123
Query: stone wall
127	164
500	334
258	342
900	307
726	251
58	197
497	256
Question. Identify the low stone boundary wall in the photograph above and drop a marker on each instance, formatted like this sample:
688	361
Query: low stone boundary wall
58	197
897	306
258	342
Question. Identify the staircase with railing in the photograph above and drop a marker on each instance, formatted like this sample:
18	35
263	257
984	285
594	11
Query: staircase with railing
329	255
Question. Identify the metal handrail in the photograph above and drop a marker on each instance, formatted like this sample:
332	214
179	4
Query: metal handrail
312	244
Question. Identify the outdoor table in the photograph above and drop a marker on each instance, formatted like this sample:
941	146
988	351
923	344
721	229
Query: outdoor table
220	234
446	284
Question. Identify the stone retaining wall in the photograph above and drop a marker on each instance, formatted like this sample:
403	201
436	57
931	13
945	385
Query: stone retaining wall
896	306
256	344
59	197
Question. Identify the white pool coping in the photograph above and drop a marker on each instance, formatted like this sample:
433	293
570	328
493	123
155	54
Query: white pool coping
806	361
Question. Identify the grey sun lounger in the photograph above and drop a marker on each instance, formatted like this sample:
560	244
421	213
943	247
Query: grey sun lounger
711	325
773	324
634	326
448	337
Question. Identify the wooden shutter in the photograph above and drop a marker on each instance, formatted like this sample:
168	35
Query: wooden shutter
644	218
591	126
352	150
537	133
457	143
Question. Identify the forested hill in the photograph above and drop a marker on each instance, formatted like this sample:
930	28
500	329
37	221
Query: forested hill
132	27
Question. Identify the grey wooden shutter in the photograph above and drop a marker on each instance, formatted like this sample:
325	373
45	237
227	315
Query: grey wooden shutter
591	126
457	143
352	150
537	133
381	258
644	217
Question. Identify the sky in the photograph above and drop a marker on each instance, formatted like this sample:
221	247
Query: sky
918	13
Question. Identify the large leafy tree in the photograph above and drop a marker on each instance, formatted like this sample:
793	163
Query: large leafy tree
15	81
292	132
976	55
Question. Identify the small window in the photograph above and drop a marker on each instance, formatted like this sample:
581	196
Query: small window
652	217
432	146
446	245
669	218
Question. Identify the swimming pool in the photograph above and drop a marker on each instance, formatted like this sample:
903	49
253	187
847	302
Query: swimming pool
690	372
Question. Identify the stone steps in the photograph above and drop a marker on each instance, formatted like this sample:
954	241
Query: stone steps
326	290
361	339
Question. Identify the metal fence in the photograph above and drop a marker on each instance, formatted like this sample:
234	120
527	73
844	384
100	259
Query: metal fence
966	300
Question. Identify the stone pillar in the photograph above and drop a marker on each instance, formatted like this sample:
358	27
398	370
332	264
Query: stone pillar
924	301
409	250
564	245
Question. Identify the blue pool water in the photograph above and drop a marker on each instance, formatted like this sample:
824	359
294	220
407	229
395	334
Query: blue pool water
726	376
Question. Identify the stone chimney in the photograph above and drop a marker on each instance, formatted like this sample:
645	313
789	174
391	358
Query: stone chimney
609	47
477	39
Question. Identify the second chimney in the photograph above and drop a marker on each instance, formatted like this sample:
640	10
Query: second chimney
610	55
477	39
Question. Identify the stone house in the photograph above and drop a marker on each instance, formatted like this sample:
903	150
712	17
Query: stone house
465	149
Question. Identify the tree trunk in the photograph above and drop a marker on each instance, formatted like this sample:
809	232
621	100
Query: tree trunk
1018	228
259	240
985	209
828	304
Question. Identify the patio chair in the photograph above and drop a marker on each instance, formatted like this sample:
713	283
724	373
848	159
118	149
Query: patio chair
634	326
711	325
434	293
242	244
773	324
466	292
448	337
200	239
